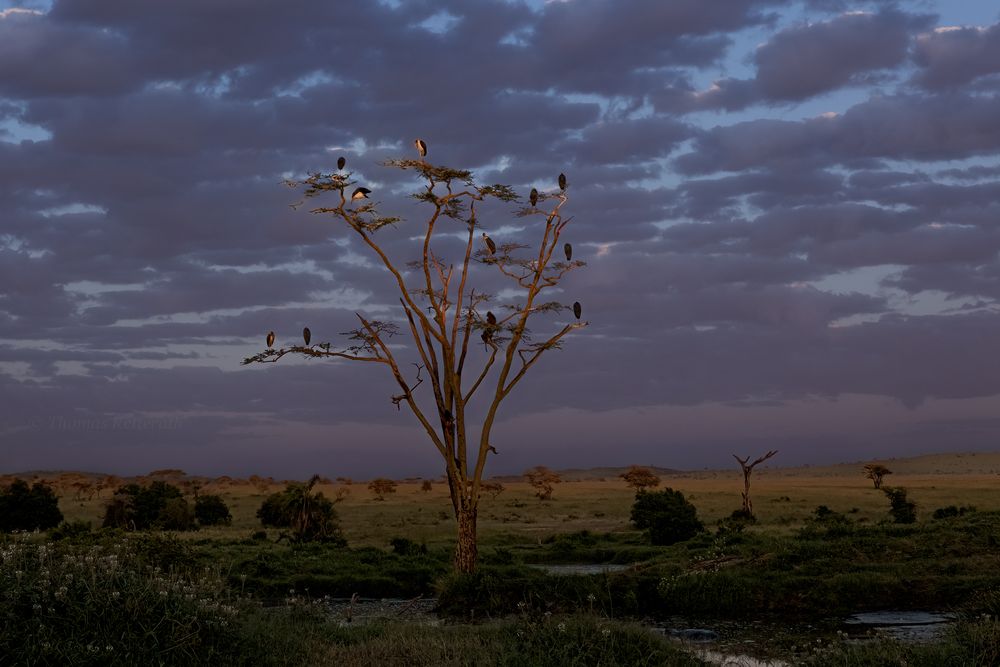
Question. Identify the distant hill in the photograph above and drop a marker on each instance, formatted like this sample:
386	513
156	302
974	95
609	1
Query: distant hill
962	463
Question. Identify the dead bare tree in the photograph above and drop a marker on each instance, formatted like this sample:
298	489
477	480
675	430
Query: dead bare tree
747	471
441	312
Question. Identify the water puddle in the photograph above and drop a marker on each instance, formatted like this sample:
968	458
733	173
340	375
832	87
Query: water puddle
580	569
907	626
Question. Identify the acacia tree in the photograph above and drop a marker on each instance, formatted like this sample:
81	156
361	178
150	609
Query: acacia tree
441	312
875	472
640	478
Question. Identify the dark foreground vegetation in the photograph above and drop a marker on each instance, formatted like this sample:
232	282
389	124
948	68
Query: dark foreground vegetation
121	596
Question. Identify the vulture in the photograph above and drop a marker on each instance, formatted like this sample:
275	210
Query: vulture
360	193
306	335
341	162
533	197
486	336
562	181
270	339
421	147
568	249
577	309
490	245
491	318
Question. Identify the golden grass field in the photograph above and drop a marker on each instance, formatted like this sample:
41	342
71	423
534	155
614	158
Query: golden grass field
782	497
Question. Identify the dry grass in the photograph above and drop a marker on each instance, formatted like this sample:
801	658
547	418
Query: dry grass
783	498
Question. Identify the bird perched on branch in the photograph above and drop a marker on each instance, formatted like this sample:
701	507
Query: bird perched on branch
341	162
360	193
270	339
568	249
562	181
491	319
490	245
306	335
577	309
421	147
533	197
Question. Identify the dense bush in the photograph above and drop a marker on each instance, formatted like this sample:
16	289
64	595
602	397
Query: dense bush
159	505
901	509
952	511
144	610
310	515
28	508
666	516
211	510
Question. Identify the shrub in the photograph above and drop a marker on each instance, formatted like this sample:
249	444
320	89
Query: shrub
159	505
211	510
901	509
952	511
406	547
543	480
382	487
28	508
666	516
426	485
309	514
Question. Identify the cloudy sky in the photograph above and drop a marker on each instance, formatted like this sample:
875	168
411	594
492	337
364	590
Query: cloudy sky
790	213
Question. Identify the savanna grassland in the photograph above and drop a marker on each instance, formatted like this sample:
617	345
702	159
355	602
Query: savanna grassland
236	595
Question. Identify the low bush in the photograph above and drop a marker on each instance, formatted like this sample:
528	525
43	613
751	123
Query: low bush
211	510
666	516
28	508
159	505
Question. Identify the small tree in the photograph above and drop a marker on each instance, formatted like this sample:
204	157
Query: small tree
493	488
747	509
875	472
309	514
666	516
443	313
381	487
211	510
543	480
28	508
901	509
159	505
639	478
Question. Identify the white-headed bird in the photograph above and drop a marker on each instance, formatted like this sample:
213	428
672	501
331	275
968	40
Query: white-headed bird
360	193
421	147
490	245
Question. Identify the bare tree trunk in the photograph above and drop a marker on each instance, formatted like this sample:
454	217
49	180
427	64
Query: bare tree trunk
466	550
747	468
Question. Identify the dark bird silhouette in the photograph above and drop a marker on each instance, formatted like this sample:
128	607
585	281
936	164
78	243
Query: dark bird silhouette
490	245
568	249
533	197
487	335
492	449
360	193
306	335
577	309
562	181
491	318
270	339
341	162
421	147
